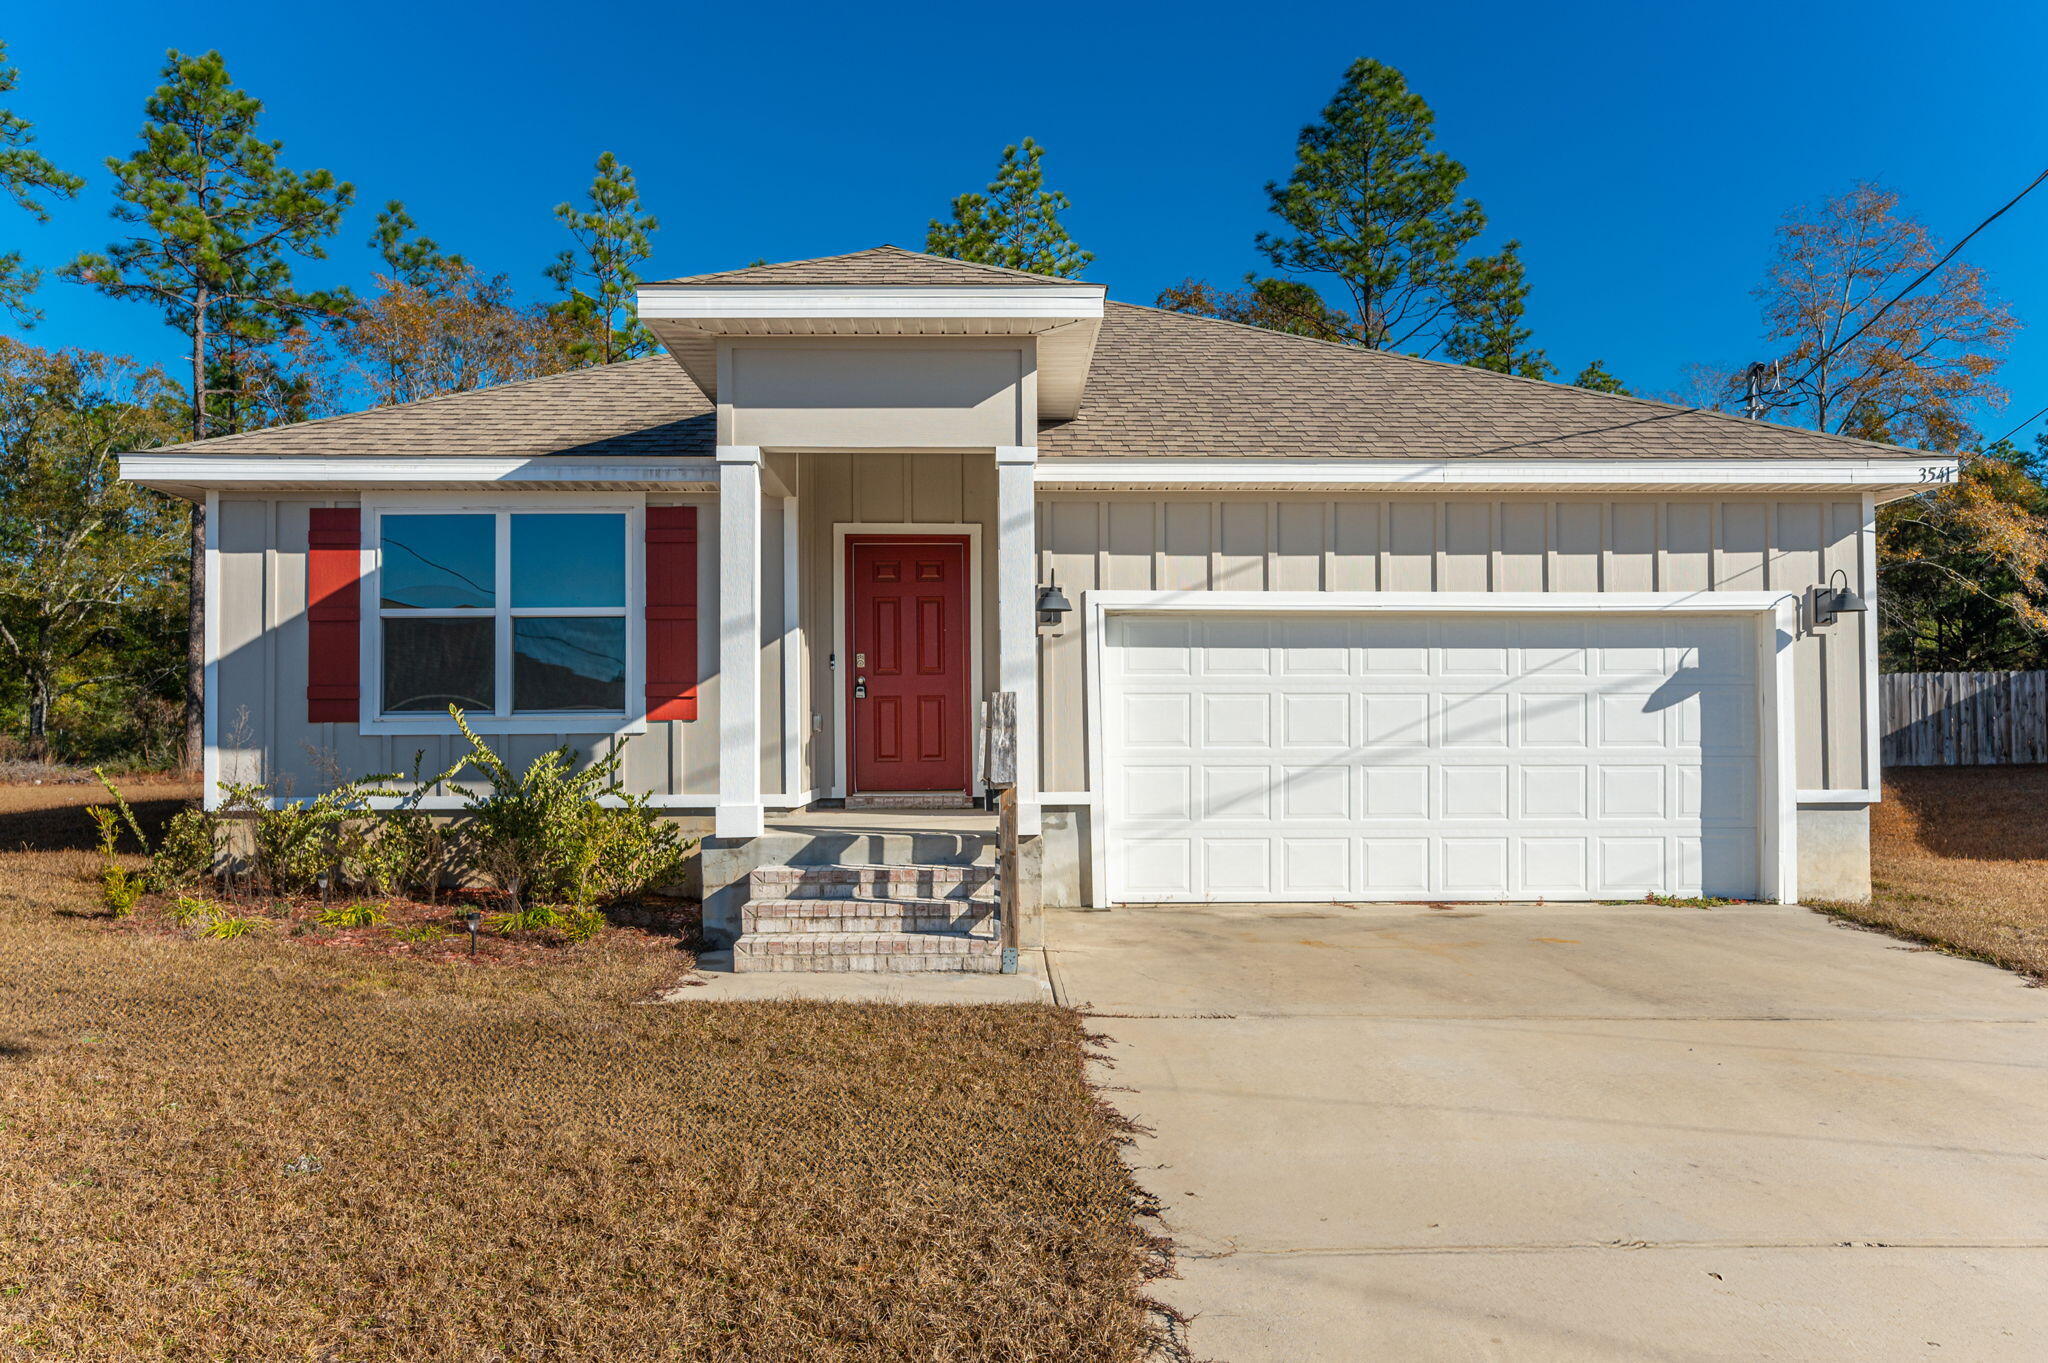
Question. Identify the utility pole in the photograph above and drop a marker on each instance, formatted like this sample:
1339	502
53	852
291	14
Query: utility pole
1757	381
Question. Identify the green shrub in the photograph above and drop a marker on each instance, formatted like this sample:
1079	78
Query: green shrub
418	932
580	925
541	835
185	910
527	918
351	916
402	852
119	890
226	929
186	856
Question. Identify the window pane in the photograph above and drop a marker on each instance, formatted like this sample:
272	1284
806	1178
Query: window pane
430	665
573	664
439	562
560	560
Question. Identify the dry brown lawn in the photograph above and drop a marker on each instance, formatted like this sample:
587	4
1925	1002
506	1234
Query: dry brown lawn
1959	860
247	1150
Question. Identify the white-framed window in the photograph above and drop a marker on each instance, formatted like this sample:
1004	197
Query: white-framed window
527	616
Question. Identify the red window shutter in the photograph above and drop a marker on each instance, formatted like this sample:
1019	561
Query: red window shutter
671	612
334	566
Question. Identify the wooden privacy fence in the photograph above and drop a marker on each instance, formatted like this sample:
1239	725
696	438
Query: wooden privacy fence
1954	719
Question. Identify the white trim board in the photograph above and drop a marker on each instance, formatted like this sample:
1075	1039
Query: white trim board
1901	476
842	737
739	302
1776	615
209	709
370	665
260	472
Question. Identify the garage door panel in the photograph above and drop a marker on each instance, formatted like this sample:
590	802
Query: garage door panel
1312	794
1316	868
1554	867
1237	794
1397	717
1158	719
1396	867
1475	793
1474	866
1316	719
1475	720
1353	756
1396	792
1237	868
1237	719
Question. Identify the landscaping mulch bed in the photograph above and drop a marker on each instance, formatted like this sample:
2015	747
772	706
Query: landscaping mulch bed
249	1150
1959	861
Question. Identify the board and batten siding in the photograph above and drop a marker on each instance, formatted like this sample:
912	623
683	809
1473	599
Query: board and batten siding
260	676
880	488
1412	543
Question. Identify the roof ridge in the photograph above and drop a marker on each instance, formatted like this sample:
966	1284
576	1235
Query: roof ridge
1664	410
886	247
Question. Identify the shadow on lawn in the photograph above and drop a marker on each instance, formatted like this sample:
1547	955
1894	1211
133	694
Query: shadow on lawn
1975	813
68	828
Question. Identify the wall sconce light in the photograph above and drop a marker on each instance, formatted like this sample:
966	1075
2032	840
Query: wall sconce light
1052	602
1836	599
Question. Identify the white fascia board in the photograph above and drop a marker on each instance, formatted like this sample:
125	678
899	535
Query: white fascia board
230	472
1494	603
1496	473
696	302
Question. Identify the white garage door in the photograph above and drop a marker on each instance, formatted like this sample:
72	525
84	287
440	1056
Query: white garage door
1350	757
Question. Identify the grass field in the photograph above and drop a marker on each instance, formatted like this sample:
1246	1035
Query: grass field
251	1150
1959	860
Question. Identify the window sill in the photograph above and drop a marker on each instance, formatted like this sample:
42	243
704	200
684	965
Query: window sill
566	723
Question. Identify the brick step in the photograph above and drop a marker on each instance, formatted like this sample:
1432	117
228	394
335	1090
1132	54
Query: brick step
873	882
827	914
893	953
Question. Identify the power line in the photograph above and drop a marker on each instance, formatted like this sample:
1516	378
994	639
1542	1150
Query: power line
1918	280
2021	427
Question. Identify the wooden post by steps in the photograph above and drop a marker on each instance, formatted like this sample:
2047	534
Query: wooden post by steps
1002	778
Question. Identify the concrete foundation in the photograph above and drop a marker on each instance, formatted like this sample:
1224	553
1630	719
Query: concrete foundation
1834	852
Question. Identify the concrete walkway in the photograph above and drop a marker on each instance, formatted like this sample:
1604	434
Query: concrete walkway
1576	1132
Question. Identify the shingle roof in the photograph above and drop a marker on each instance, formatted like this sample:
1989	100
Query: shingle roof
638	408
876	265
1163	384
1169	384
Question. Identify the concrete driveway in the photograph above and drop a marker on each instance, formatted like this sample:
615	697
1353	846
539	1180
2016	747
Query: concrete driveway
1576	1132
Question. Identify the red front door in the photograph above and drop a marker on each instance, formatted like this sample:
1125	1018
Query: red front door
907	687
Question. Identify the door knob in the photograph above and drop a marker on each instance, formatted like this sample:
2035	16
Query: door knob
860	688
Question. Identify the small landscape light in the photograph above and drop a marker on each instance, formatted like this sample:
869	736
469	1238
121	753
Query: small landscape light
471	919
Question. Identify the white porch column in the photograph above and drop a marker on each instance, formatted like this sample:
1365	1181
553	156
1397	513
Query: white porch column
739	642
1017	613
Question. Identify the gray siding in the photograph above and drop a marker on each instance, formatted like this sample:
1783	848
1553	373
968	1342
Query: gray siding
1416	544
260	681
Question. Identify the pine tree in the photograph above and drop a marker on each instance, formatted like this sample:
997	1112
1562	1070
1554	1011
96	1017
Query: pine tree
1596	377
1375	207
27	177
216	221
1488	333
611	238
1285	305
415	260
1015	224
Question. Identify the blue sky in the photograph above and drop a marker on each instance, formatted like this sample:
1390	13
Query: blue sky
1642	153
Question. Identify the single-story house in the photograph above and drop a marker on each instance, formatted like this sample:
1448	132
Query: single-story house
1346	625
